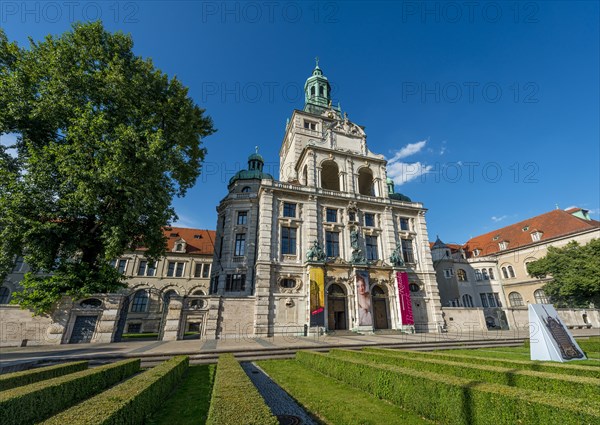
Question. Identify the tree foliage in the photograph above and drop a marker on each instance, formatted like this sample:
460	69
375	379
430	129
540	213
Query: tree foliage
575	274
105	141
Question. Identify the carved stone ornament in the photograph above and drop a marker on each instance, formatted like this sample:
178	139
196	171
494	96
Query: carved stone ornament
315	253
396	257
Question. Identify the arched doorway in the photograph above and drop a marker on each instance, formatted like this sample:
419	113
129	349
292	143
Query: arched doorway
365	182
337	318
380	310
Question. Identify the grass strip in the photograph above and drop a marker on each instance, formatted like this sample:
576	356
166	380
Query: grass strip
189	403
26	377
570	386
561	368
129	402
35	402
332	401
518	353
235	400
453	400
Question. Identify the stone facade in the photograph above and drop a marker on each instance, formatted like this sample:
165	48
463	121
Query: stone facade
333	199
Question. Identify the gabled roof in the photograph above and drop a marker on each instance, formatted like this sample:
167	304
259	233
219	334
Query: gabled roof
198	241
551	224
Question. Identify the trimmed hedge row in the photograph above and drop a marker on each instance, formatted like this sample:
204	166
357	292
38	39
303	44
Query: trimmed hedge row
35	402
26	377
129	402
235	399
561	368
570	386
452	400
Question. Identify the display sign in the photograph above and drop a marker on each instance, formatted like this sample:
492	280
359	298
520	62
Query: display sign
365	318
317	296
406	313
549	338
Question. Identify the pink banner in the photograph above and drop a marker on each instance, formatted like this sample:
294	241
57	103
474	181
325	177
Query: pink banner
406	314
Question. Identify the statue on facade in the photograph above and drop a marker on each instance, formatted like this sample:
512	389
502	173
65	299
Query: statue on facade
396	257
315	253
357	254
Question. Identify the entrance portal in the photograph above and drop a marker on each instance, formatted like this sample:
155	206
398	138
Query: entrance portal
83	329
337	319
380	313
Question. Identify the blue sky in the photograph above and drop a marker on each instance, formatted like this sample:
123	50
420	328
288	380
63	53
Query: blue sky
488	111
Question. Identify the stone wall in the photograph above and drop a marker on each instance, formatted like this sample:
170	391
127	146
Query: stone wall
17	325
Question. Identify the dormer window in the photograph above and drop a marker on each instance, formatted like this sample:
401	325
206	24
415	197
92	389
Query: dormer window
179	245
476	252
503	245
536	236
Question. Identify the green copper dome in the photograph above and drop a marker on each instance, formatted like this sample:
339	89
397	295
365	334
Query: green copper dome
400	197
254	171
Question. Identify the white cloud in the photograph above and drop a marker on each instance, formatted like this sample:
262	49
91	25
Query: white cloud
403	172
185	221
498	219
408	150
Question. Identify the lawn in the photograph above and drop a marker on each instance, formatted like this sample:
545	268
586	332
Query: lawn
332	401
189	403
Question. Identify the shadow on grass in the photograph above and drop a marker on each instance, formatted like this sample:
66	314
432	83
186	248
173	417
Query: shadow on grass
190	401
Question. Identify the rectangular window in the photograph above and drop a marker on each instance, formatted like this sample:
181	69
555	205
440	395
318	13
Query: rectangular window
448	273
371	248
309	125
214	284
235	283
242	217
206	270
484	300
151	269
134	328
288	240
404	224
491	299
369	220
175	269
198	270
407	251
331	215
121	266
332	244
142	268
289	209
240	245
497	298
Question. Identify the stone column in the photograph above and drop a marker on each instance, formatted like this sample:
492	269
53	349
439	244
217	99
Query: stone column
106	327
173	319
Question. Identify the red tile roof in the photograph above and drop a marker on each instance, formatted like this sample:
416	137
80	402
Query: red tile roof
551	224
198	242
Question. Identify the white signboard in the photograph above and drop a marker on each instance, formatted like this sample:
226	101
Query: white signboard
549	337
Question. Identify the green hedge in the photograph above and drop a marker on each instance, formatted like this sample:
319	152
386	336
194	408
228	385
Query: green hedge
235	399
562	368
36	402
570	386
453	400
129	402
18	379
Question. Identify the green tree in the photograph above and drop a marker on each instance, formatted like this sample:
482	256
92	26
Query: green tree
105	141
575	273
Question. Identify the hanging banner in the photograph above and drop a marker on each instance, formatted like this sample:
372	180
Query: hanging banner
317	297
364	298
406	314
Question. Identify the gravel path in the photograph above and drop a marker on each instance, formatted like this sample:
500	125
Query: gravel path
281	404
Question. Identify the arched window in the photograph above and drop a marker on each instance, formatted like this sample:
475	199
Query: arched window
4	295
90	303
198	292
413	287
477	274
485	274
365	182
312	91
511	272
246	189
288	283
140	301
504	273
515	299
467	300
336	290
321	91
491	273
330	176
461	275
540	296
378	292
